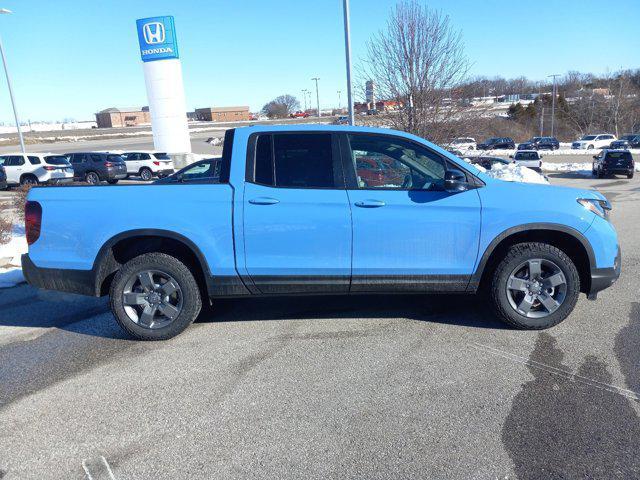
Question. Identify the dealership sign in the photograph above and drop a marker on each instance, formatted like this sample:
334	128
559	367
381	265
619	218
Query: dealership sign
157	38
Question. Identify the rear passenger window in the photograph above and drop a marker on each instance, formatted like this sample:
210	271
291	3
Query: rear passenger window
34	160
295	161
96	158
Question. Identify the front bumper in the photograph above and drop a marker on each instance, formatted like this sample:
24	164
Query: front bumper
63	280
602	278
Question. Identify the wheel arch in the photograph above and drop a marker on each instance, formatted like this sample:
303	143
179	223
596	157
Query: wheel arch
126	245
567	239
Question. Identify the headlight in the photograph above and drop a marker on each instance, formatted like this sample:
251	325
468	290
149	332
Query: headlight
597	206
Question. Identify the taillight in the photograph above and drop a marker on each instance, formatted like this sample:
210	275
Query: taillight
108	164
49	168
157	164
32	221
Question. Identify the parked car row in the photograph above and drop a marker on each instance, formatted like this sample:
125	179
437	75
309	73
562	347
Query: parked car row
587	142
89	167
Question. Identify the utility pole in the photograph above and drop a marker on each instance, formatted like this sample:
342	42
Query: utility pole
339	101
304	98
347	51
553	102
542	122
317	94
13	101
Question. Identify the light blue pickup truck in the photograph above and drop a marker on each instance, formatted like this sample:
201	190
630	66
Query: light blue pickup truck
321	210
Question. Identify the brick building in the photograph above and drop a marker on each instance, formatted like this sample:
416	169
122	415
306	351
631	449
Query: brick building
223	114
123	117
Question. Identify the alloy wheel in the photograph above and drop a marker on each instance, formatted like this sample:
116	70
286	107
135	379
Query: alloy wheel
536	288
152	299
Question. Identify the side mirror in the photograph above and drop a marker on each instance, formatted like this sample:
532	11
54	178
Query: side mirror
455	181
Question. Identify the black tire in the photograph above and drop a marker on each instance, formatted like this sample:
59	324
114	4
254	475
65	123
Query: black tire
28	180
191	299
92	178
589	147
515	256
146	174
112	182
630	175
594	172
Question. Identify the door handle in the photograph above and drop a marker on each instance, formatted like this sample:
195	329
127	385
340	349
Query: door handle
264	201
370	204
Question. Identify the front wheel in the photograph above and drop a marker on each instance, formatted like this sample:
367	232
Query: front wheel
155	297
535	286
92	178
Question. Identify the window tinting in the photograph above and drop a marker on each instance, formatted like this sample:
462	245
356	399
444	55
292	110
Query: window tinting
114	158
14	161
56	160
303	160
264	160
96	158
162	156
618	156
34	160
294	160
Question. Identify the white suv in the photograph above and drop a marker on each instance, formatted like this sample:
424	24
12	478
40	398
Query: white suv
589	142
34	168
148	164
463	143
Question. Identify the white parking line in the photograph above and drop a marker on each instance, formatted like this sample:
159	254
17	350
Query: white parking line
97	469
559	372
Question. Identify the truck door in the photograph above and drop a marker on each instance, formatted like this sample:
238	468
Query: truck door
297	220
409	234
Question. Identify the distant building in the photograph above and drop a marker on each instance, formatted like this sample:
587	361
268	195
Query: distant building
123	117
222	114
370	91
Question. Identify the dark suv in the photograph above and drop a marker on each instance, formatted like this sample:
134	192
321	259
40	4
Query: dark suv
3	178
502	143
611	162
96	167
540	143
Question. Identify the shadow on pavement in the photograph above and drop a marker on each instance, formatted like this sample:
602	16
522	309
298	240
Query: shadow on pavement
558	428
460	310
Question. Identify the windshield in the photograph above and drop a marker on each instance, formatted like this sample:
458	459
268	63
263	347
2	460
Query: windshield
627	137
114	158
57	160
618	156
588	137
162	156
526	156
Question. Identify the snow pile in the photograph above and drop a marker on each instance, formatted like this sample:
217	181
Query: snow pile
10	262
512	172
579	168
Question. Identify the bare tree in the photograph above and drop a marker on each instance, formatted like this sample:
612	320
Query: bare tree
418	60
281	107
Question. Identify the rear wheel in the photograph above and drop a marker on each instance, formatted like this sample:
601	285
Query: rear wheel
92	178
155	297
146	174
535	286
29	180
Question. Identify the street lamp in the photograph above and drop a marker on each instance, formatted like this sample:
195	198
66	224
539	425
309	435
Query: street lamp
339	102
304	97
317	94
13	102
347	52
553	100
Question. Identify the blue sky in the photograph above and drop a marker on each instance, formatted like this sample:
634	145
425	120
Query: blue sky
71	58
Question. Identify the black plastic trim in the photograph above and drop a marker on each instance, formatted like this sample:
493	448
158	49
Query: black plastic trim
477	276
409	283
602	278
62	280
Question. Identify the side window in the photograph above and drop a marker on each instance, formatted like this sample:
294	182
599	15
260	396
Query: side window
295	160
144	156
201	171
34	160
16	160
96	158
387	162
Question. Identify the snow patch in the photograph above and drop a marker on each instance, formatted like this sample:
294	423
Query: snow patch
10	258
512	172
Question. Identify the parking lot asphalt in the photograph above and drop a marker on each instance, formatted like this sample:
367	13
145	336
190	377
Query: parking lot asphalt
328	387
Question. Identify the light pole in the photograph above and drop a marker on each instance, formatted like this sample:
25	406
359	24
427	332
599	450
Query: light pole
13	102
553	102
304	97
317	94
339	101
347	52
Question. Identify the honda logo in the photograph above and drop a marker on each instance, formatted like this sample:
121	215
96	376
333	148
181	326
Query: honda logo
153	32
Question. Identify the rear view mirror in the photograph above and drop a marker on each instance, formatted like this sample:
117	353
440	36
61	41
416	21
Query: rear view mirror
455	181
